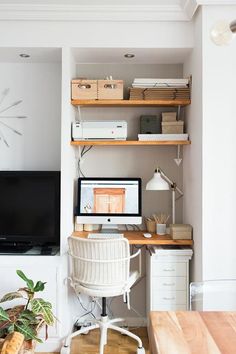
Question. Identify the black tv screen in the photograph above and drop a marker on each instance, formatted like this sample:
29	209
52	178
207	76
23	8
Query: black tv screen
30	207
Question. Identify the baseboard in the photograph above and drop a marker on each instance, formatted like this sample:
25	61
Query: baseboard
134	322
50	345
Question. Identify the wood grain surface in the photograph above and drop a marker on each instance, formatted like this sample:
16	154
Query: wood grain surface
130	103
137	238
192	332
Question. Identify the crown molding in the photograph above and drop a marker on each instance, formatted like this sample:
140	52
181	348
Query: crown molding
182	11
50	12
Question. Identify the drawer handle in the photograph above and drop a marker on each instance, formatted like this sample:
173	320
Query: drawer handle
170	284
169	270
110	86
83	87
168	298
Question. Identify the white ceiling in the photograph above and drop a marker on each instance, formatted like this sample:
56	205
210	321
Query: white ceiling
37	55
142	55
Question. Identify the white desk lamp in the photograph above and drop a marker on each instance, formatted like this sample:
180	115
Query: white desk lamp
160	182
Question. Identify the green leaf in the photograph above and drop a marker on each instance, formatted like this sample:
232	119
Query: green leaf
3	315
41	307
22	275
27	331
11	296
39	286
29	315
28	281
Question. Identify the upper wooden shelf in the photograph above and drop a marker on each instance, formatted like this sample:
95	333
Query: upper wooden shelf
130	103
128	142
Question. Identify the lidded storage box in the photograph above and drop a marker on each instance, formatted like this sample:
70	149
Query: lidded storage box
181	231
169	116
176	127
84	89
110	89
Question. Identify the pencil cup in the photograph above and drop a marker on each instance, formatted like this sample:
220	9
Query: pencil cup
151	226
88	227
79	227
161	229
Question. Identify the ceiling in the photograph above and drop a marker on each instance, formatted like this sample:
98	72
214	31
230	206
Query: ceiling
142	55
37	55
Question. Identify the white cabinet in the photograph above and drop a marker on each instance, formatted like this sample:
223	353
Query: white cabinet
167	278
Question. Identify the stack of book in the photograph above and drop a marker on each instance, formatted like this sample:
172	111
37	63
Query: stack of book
160	89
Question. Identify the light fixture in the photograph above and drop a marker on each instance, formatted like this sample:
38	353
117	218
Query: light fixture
23	55
129	55
222	32
160	182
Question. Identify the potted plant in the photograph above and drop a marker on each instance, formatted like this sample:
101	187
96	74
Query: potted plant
27	318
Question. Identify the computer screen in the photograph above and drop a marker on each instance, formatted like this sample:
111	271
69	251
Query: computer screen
109	200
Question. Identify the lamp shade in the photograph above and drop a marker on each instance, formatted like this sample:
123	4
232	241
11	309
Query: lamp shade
222	32
157	183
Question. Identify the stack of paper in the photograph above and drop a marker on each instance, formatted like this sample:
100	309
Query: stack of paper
143	83
161	137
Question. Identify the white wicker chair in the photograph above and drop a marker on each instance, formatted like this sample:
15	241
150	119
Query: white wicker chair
101	268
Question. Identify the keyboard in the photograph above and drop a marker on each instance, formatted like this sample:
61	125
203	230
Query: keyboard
105	236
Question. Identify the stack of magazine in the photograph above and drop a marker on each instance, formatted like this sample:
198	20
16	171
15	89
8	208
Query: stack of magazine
159	89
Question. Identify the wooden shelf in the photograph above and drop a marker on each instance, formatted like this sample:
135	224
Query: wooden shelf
137	238
129	143
130	103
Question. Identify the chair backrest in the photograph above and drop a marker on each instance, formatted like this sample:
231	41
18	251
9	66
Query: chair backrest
99	263
213	295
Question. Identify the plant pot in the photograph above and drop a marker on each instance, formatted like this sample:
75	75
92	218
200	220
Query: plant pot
28	347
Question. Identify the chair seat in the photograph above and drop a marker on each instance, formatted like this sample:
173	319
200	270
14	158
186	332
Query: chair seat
106	291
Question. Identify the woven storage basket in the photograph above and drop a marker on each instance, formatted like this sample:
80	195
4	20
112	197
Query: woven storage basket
84	89
110	89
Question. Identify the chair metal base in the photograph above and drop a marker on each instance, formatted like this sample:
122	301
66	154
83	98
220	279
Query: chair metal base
104	323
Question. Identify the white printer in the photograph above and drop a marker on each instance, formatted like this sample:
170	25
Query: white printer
97	130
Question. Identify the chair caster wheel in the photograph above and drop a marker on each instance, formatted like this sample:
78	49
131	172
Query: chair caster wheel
65	350
141	351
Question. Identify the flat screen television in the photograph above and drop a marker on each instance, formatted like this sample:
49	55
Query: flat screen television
29	208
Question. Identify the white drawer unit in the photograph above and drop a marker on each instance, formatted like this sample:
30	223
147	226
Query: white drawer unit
167	278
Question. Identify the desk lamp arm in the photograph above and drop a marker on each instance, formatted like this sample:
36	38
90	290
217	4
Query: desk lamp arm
174	188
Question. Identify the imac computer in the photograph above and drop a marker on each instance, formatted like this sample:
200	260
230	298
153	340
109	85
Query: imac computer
109	201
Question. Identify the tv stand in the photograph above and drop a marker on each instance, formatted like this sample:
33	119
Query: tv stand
14	248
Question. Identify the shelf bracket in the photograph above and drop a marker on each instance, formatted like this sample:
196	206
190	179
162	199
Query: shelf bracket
178	160
178	112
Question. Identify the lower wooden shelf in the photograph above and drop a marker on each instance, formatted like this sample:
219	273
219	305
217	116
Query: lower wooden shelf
129	142
137	238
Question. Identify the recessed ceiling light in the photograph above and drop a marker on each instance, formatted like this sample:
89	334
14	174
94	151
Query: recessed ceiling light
24	55
129	55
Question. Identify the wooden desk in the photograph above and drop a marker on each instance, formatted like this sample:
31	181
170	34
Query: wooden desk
192	332
137	238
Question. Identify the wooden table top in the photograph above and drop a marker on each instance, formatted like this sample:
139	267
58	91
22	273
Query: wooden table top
137	238
192	332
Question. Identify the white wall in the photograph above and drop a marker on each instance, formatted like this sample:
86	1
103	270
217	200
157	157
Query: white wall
38	86
192	163
219	146
138	161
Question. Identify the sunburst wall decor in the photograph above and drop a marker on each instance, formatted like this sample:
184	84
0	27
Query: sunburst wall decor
3	116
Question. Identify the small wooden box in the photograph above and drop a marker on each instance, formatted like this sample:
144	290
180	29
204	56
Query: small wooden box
172	127
169	116
181	231
84	89
110	89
